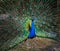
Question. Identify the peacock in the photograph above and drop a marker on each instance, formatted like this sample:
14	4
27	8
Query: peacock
24	19
32	30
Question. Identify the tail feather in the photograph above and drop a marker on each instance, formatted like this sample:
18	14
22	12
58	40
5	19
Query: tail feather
50	35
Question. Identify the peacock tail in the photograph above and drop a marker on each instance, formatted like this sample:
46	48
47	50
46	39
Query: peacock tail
16	16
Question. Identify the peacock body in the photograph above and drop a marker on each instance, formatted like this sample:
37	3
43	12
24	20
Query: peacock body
32	30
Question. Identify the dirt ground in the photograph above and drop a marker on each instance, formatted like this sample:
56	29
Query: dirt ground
37	44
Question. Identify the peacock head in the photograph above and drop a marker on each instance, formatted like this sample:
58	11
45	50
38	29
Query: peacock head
32	19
